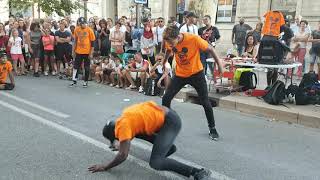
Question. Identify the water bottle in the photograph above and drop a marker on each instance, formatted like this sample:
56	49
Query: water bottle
152	90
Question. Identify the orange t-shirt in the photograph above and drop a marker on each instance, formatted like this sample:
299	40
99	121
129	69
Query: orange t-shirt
273	21
5	69
188	55
140	119
84	37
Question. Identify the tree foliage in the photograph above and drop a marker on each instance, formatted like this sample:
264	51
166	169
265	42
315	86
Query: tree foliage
60	7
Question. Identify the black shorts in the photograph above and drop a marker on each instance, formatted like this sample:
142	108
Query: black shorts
107	72
49	53
63	52
7	86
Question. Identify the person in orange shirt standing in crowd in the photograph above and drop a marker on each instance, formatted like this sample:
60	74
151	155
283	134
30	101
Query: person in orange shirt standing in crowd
83	48
189	70
155	124
5	70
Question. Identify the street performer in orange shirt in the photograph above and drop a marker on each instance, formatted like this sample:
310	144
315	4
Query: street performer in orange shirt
155	124
189	70
5	71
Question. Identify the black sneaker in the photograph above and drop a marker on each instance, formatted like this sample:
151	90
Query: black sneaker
213	134
73	84
204	174
36	74
85	84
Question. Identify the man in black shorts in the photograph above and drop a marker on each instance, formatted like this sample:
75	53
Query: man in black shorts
63	47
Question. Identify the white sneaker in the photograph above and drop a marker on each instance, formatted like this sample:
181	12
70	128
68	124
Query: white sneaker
111	85
131	87
54	73
46	73
140	89
117	86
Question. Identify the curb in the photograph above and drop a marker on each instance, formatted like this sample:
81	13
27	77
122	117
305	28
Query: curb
249	105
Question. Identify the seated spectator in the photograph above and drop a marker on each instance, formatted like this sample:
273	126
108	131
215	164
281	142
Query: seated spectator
116	74
251	49
96	69
5	70
161	71
107	70
137	69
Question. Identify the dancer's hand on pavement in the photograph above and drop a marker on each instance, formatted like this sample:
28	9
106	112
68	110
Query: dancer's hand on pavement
97	168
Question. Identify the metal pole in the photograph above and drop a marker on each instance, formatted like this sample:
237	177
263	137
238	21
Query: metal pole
138	15
85	5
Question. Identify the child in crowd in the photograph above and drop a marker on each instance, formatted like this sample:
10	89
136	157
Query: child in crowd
107	70
117	73
161	71
15	43
48	46
97	65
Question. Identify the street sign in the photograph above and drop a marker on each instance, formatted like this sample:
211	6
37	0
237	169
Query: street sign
141	1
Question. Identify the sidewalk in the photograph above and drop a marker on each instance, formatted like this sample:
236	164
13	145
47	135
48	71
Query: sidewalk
307	115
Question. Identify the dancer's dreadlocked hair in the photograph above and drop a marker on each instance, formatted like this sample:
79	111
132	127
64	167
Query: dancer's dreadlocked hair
171	32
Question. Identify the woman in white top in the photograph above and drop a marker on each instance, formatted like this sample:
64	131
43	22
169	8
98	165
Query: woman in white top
300	39
148	44
161	71
117	39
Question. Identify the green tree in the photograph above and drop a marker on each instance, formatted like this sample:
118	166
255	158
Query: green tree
60	7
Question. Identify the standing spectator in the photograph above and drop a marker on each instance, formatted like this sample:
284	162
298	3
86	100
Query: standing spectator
190	26
315	49
5	70
15	42
239	33
96	45
128	37
174	21
148	44
301	38
104	34
257	32
295	26
287	33
83	48
9	26
211	35
34	46
109	23
117	39
158	32
63	49
48	47
3	38
122	27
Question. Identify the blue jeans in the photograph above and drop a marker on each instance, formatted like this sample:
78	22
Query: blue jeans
240	49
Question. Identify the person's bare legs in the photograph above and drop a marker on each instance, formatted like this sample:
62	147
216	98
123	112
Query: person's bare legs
129	78
53	65
36	65
143	77
15	67
112	75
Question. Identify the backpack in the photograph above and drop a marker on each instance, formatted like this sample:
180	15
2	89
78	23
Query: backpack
276	94
248	80
303	97
308	80
151	88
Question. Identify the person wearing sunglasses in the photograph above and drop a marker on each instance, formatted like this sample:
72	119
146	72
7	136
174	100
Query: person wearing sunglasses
158	31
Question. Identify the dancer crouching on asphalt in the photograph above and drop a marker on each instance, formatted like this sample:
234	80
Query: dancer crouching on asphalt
5	70
189	70
155	124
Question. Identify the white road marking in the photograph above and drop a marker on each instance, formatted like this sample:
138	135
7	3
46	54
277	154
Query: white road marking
85	138
214	174
51	111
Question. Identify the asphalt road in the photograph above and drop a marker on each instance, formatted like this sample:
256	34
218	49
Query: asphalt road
51	131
